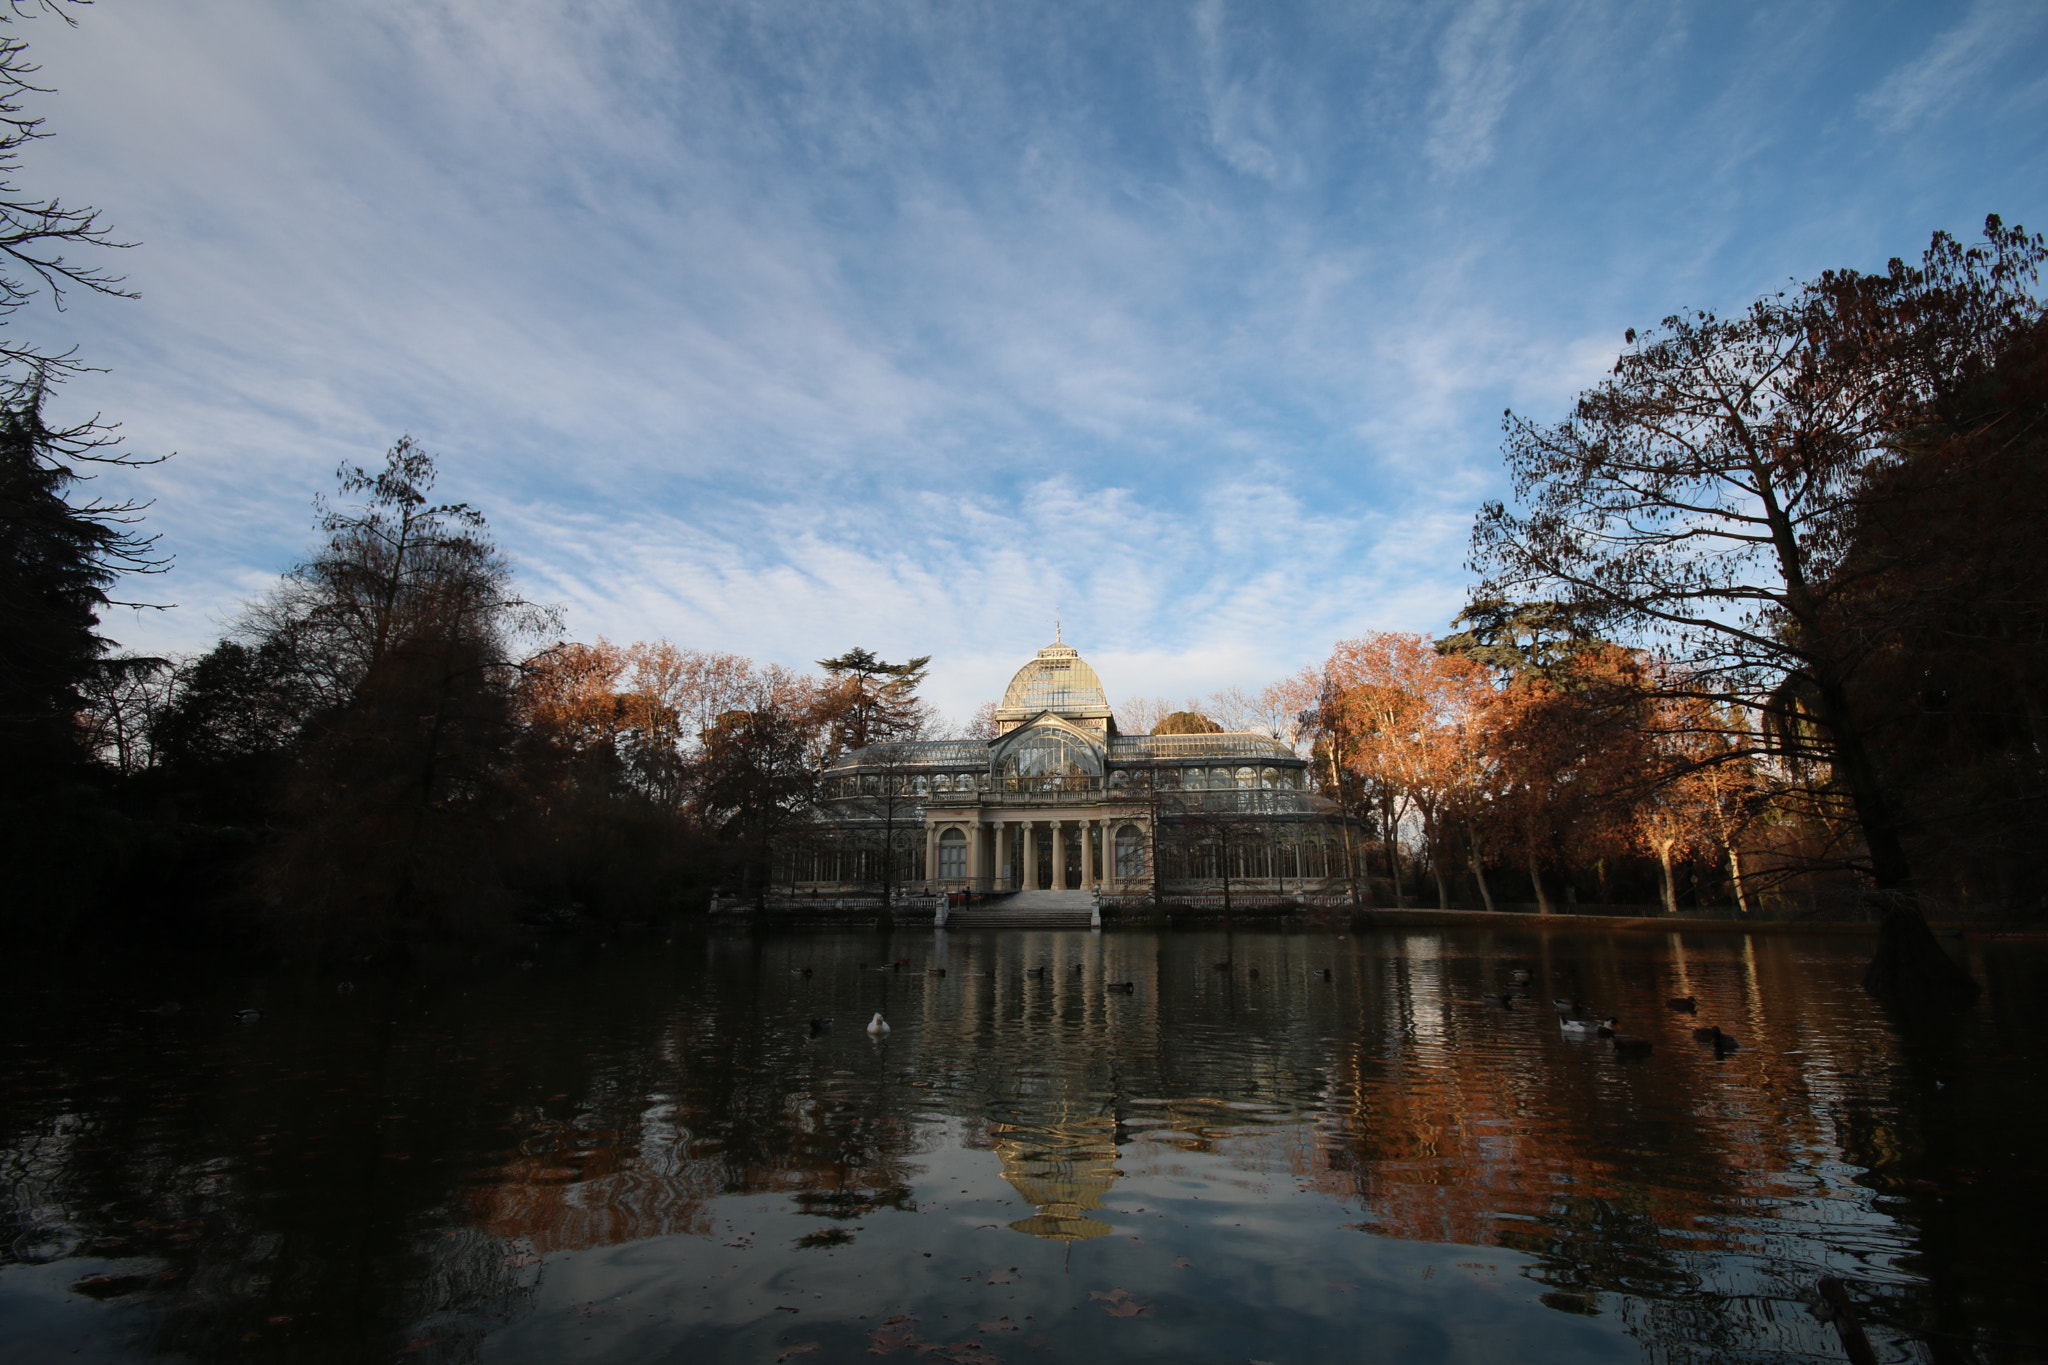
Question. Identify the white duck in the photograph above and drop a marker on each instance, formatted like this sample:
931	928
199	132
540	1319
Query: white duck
878	1025
1588	1028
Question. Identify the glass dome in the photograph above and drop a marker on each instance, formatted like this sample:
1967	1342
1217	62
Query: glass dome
1058	680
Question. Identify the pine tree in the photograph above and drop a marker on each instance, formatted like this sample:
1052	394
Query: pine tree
58	558
869	700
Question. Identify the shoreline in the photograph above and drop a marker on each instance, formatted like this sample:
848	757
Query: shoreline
1481	919
1343	922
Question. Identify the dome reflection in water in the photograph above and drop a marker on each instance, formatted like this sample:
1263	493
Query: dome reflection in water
641	1152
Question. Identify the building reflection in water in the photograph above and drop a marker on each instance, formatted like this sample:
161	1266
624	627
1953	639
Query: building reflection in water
1064	1168
277	1171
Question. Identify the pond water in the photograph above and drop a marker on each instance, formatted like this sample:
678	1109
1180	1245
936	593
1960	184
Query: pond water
643	1150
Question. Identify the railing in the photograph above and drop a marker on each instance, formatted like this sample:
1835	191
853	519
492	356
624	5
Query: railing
1242	801
1070	791
1041	791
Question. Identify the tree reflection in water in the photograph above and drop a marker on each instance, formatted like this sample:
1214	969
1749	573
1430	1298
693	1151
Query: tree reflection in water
398	1169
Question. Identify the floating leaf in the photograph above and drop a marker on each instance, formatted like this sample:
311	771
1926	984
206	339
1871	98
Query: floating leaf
1003	1276
1181	1263
826	1237
1112	1295
893	1335
1129	1308
110	1286
802	1348
961	1353
1001	1324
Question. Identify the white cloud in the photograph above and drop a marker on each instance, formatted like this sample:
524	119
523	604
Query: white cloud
1476	65
1954	65
774	328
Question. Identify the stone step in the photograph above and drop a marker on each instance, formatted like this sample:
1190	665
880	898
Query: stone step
1051	919
1047	900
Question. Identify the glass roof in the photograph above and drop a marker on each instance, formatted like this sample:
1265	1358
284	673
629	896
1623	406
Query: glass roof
922	753
1128	747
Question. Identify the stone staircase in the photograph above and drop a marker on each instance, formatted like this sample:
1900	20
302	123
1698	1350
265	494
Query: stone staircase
1030	910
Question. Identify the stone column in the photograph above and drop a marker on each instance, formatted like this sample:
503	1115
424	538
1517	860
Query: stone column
1027	853
1108	854
931	853
1090	873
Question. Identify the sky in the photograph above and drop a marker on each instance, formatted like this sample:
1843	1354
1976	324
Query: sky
780	328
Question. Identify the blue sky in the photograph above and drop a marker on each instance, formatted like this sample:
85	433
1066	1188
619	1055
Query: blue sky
780	328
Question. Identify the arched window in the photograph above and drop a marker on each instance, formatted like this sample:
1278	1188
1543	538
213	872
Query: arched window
1269	778
1247	778
952	855
1052	753
1194	779
1130	854
920	786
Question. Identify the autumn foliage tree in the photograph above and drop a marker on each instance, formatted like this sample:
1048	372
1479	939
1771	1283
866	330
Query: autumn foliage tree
1704	499
1393	720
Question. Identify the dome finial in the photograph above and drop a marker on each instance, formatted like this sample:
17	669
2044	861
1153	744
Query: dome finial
1057	638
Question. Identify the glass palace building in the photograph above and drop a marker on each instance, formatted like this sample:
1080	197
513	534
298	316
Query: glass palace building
1059	800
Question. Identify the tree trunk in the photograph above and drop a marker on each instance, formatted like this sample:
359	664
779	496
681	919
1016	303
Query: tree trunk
1344	814
1670	891
1436	862
1479	875
1735	875
1394	854
1536	880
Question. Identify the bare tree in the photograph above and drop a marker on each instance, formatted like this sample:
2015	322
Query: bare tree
886	799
